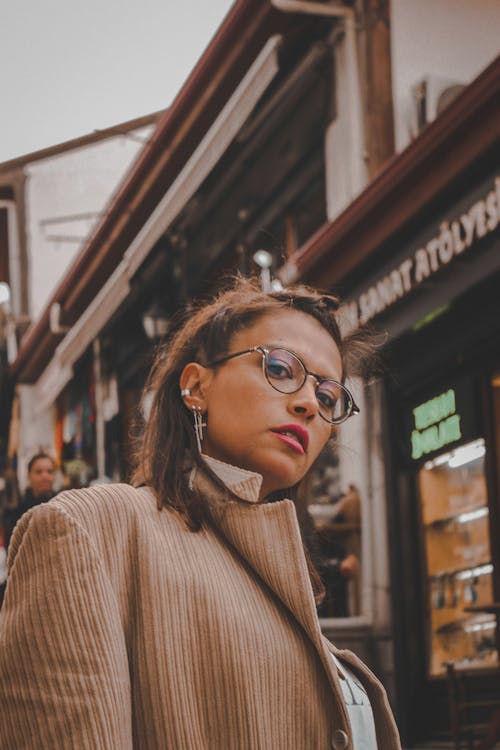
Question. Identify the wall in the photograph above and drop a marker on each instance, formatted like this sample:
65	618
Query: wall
451	39
65	196
346	172
36	431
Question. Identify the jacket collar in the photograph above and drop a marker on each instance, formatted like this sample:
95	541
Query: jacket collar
243	483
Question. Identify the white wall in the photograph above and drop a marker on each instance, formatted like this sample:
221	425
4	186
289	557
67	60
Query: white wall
36	431
452	39
346	171
72	184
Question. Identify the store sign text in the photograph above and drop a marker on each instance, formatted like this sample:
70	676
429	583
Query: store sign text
436	424
454	238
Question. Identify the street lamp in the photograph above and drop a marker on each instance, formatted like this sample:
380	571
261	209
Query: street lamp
264	260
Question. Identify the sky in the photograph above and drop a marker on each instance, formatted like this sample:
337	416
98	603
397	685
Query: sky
69	68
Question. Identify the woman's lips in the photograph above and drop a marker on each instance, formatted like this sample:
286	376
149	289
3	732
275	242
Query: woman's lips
291	442
293	435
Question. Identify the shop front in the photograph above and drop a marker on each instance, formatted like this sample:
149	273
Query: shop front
449	448
416	258
437	299
74	433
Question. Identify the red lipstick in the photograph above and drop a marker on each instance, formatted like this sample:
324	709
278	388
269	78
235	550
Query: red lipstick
294	435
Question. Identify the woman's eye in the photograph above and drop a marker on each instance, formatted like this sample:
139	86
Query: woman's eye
277	369
327	398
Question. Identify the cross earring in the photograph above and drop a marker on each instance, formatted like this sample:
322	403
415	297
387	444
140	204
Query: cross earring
199	424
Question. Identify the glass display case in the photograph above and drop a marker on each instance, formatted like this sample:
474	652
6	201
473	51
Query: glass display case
455	518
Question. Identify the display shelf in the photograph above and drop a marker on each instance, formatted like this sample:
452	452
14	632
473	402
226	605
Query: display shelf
464	621
453	572
455	536
456	514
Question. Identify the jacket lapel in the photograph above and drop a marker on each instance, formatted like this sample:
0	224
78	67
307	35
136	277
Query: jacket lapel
267	536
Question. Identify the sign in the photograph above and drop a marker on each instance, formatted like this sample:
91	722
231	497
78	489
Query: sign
436	424
454	236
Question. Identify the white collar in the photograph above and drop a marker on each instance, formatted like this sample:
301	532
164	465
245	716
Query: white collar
245	484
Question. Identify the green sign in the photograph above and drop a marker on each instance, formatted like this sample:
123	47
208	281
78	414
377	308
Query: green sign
436	424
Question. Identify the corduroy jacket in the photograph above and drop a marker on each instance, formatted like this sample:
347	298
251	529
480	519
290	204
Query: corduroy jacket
122	629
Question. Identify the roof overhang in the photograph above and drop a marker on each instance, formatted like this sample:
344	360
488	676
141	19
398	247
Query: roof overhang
463	134
123	128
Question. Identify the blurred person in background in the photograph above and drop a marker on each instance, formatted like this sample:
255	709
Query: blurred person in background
41	478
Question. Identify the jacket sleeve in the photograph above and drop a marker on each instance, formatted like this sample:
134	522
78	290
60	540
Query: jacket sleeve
64	675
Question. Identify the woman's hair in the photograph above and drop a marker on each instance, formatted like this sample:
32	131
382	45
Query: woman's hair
204	334
38	457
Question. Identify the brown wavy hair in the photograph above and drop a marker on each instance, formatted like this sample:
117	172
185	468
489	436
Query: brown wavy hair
204	334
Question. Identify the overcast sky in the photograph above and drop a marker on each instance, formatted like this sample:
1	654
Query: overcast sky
70	67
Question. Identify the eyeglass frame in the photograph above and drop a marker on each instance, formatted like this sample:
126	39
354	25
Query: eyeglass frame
265	351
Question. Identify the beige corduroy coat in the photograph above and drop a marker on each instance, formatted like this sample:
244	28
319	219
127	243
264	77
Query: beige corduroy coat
121	629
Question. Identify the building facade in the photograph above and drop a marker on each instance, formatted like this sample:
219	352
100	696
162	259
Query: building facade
49	203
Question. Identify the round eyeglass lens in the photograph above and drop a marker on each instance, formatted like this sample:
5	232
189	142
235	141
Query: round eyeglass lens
334	401
284	371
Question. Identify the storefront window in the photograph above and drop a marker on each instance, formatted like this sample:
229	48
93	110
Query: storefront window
75	440
334	514
455	517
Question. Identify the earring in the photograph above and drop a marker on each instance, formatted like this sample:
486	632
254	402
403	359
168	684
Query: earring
185	392
199	424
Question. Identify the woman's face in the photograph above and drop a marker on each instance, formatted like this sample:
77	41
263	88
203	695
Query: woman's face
41	476
244	414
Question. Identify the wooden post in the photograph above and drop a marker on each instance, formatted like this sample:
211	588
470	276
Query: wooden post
375	63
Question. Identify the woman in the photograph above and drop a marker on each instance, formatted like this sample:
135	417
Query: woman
41	477
180	613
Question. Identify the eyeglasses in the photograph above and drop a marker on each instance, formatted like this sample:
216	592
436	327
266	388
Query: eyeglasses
286	373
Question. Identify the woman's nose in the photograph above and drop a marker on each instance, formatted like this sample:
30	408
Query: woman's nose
304	400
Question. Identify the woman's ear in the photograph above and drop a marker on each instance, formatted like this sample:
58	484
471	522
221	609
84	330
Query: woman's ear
194	383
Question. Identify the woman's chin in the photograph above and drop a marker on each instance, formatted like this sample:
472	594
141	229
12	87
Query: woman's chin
280	481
